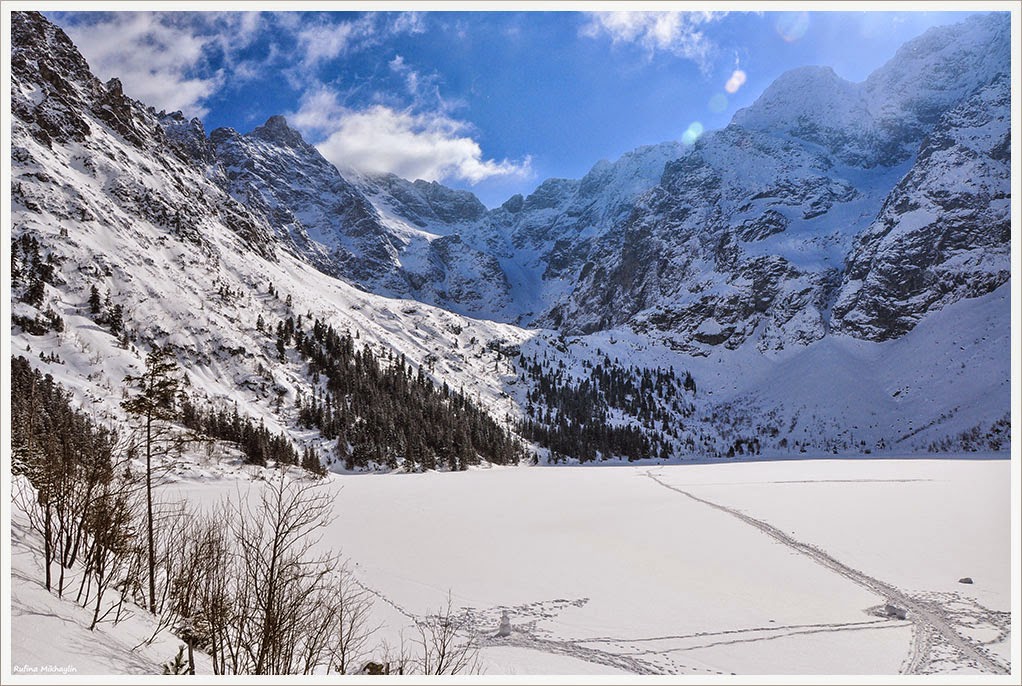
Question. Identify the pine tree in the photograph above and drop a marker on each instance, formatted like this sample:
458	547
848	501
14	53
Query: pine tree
115	318
95	304
156	400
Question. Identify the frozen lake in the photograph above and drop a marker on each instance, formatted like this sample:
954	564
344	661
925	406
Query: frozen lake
748	568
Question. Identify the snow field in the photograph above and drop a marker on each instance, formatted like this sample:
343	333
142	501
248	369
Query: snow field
610	567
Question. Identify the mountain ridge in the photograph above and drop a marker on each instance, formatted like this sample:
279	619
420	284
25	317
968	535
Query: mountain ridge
733	257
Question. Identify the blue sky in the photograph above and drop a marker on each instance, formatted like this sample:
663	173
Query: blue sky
490	101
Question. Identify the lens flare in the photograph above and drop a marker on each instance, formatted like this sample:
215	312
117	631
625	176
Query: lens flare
718	103
791	26
692	133
735	82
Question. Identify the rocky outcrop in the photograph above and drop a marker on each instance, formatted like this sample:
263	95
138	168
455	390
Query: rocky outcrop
944	233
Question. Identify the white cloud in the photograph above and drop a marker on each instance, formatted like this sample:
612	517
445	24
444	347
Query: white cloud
411	77
153	59
676	32
408	22
318	113
160	58
380	139
323	41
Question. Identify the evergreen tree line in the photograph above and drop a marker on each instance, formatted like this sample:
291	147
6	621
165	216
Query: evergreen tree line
586	419
31	270
382	412
260	445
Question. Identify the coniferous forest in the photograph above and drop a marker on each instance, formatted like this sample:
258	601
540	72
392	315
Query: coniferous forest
382	412
614	411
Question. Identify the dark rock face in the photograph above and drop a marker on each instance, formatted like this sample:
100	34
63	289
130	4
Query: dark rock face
944	232
426	203
188	138
763	226
685	261
57	81
277	131
59	94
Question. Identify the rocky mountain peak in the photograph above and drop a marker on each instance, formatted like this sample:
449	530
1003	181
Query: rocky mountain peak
39	45
188	136
114	87
53	89
276	130
882	120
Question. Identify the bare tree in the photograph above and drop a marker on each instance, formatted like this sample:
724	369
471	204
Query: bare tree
274	542
443	649
352	627
112	519
212	610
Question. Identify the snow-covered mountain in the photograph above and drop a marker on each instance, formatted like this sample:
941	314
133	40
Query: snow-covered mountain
759	229
104	197
382	236
811	265
944	232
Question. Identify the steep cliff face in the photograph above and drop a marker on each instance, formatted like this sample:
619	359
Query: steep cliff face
55	94
944	232
729	240
543	241
380	234
424	203
303	197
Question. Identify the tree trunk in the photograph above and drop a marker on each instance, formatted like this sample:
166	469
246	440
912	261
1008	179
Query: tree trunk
149	507
48	542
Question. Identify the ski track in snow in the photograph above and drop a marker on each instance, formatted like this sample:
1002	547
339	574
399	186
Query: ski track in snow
935	619
933	624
